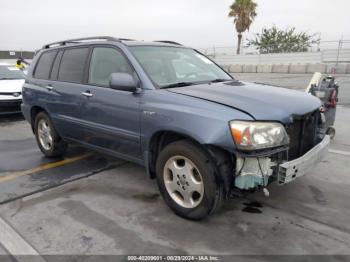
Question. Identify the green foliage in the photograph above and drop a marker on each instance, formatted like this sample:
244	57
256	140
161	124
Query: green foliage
275	40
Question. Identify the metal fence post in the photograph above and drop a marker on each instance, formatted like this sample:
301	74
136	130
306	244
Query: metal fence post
338	53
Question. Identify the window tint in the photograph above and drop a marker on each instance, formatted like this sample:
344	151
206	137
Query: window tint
104	62
43	67
56	64
72	65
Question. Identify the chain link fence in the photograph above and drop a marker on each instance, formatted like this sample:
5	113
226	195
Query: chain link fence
337	45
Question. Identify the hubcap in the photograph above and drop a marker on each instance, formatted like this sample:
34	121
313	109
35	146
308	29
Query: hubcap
44	134
183	181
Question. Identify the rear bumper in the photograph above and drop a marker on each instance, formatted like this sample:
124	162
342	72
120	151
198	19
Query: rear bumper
10	106
291	170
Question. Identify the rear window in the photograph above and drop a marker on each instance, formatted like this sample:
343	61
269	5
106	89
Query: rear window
56	64
43	67
72	65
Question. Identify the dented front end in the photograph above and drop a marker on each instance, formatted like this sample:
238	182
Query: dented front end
252	172
307	146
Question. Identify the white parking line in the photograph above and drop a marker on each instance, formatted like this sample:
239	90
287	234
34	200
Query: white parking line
15	245
340	152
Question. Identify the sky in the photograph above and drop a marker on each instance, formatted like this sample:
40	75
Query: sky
29	24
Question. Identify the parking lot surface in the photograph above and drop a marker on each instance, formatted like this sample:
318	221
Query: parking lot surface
87	203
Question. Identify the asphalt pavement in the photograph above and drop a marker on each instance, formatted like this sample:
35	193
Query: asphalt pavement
88	203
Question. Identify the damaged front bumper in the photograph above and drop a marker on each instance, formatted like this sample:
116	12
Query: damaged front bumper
252	172
289	171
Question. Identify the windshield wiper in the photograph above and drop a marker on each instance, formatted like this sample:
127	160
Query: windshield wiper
179	84
218	80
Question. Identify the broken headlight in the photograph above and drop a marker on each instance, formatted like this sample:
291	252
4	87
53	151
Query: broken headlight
258	135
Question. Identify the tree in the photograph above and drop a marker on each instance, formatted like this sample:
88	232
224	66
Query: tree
244	12
275	40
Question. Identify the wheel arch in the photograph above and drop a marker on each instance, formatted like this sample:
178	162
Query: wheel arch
223	159
34	111
157	142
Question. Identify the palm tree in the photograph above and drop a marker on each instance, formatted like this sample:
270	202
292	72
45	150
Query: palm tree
244	12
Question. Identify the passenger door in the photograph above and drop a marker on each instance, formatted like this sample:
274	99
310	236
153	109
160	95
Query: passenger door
67	76
111	117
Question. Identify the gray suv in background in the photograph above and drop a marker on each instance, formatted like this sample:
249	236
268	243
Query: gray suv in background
198	131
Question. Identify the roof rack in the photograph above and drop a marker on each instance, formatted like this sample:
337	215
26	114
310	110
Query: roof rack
126	39
168	42
77	40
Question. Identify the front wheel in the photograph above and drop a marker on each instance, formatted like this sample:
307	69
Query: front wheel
186	177
49	142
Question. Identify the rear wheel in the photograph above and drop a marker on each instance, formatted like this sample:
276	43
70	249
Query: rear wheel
186	178
49	142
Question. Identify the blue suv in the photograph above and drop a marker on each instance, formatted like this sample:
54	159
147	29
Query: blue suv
201	133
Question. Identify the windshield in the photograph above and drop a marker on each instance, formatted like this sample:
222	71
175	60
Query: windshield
177	66
10	72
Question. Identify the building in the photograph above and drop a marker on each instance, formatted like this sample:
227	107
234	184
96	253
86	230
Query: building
14	55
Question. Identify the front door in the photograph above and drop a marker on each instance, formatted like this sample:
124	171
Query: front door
111	118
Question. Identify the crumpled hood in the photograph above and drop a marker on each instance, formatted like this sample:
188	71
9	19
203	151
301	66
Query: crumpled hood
262	102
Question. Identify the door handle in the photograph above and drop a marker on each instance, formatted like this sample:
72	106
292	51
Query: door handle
49	87
87	94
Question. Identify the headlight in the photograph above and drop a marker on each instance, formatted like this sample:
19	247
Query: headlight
258	135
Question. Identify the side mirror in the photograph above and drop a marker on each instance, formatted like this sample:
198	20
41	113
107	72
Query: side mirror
123	82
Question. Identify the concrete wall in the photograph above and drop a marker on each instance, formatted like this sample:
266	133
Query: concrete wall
329	68
292	63
16	54
326	56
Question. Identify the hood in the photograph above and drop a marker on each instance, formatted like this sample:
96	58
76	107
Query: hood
11	86
262	102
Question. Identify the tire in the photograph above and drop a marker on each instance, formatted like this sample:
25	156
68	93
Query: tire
47	138
192	190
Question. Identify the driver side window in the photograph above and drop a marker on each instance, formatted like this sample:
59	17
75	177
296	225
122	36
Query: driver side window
104	62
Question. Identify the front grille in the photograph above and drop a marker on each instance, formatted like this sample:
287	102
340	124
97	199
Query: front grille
8	106
302	134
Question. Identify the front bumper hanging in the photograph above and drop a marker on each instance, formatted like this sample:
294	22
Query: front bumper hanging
289	171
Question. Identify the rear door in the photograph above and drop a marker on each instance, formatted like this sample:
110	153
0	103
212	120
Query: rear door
41	84
66	86
111	117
